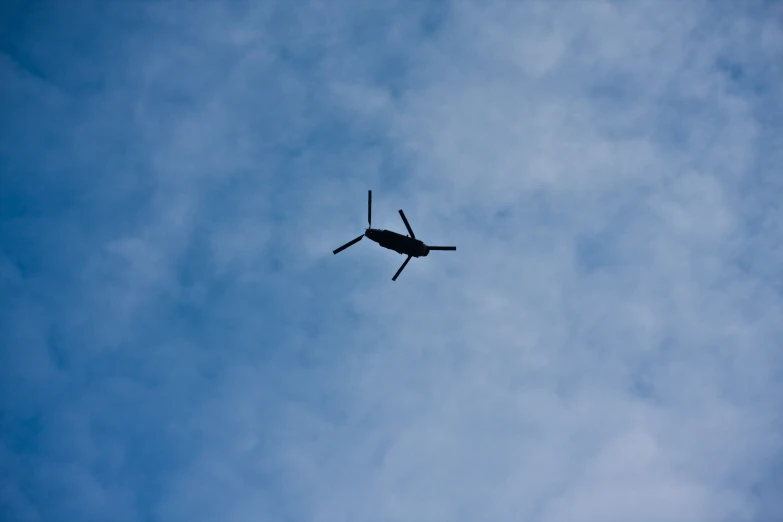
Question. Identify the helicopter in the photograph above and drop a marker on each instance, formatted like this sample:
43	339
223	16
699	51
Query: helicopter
405	245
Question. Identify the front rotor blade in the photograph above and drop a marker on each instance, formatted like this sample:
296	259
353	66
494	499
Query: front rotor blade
400	270
402	215
441	248
349	243
369	209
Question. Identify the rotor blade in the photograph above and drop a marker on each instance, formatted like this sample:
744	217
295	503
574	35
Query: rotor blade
369	209
402	215
441	248
349	243
400	270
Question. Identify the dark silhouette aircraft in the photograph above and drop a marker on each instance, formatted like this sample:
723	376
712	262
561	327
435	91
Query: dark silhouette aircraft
407	245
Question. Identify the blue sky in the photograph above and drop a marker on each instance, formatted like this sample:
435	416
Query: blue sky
178	342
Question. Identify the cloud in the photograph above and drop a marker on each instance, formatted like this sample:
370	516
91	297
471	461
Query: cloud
179	342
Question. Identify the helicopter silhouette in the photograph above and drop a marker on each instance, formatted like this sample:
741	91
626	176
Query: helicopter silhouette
406	245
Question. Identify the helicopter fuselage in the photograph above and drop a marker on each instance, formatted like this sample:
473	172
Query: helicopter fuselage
401	244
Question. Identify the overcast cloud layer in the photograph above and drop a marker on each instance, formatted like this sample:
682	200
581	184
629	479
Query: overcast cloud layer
178	343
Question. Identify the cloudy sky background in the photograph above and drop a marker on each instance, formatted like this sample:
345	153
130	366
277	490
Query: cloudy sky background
178	343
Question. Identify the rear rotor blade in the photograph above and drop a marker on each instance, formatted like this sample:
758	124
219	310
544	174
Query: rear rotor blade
442	247
402	215
349	243
369	209
400	270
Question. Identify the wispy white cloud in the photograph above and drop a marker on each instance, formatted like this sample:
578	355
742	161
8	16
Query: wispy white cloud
179	342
